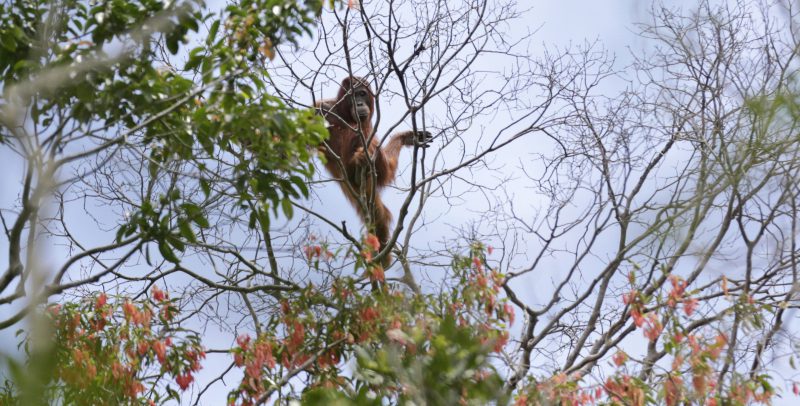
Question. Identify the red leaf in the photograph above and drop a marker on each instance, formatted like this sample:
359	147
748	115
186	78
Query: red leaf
184	380
101	300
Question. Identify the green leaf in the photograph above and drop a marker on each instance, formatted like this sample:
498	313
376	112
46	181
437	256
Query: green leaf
206	70
172	44
24	64
186	231
121	232
167	252
286	205
201	221
253	219
263	218
176	242
195	58
191	209
212	32
204	186
7	42
172	393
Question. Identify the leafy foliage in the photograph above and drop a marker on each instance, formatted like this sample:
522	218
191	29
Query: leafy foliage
95	70
420	349
183	97
103	352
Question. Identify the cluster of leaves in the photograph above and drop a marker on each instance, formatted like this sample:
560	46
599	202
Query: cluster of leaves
421	349
55	58
108	352
697	355
440	353
81	68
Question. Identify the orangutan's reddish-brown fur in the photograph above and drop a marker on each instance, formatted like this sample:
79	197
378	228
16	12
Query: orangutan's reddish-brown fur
347	160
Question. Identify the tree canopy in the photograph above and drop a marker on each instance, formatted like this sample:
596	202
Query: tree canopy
579	232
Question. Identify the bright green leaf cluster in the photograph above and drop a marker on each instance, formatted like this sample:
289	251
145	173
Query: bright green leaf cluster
92	76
